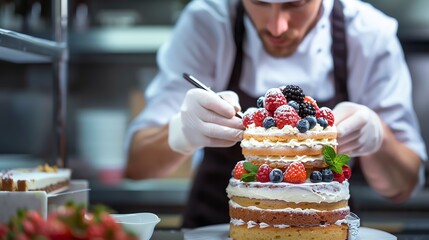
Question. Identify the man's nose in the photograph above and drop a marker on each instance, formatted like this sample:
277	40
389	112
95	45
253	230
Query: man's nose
278	22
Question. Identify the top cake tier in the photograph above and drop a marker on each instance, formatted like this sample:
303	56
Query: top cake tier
288	126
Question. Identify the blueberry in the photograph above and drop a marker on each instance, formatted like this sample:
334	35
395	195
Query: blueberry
294	105
269	122
322	122
327	175
312	120
316	177
260	102
276	175
303	125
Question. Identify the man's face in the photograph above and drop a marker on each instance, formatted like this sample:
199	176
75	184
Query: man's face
282	26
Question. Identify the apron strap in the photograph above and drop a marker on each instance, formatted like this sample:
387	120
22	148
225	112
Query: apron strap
339	51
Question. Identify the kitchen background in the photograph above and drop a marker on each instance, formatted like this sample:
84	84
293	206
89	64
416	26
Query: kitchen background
112	49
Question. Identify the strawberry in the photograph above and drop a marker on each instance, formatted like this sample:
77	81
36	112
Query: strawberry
259	116
274	98
339	177
312	102
239	170
286	115
295	173
263	174
347	172
28	227
327	114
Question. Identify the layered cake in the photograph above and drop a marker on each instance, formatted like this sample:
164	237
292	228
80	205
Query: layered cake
42	178
292	184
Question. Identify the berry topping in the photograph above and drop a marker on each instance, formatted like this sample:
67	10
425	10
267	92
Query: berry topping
339	177
276	175
295	173
316	177
327	175
274	98
260	102
239	170
294	104
259	116
327	114
306	109
303	126
269	122
312	121
347	171
286	115
322	122
293	92
312	101
248	117
263	174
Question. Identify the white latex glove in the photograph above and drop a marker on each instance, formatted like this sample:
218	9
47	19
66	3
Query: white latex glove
360	131
205	120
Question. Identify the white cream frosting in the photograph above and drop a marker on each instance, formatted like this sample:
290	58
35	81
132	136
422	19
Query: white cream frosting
287	129
288	210
252	224
301	158
305	192
36	179
292	143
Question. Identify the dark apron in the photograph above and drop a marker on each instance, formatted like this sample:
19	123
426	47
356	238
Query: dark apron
208	202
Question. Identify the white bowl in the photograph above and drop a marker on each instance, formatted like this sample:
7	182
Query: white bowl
141	224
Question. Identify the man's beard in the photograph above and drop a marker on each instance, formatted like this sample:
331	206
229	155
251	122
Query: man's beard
291	43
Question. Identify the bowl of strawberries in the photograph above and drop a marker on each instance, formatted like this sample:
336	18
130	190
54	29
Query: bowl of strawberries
68	222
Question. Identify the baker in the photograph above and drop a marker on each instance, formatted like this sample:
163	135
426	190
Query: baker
343	53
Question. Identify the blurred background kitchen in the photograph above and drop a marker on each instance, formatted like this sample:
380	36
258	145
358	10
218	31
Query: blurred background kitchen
112	57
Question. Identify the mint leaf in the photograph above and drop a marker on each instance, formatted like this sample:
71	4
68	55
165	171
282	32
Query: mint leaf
342	159
250	167
329	154
248	177
336	168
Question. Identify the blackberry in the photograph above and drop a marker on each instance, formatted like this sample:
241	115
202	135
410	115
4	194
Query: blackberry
293	92
306	109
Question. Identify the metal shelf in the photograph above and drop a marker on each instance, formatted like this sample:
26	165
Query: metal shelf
21	48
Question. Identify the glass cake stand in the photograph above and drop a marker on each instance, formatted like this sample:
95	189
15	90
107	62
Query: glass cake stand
221	231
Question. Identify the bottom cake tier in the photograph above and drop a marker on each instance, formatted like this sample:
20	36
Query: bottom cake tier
323	232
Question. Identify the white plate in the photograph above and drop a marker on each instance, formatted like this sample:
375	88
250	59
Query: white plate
221	232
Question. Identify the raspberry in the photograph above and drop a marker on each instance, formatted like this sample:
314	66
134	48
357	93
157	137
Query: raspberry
295	173
339	177
259	116
286	115
327	114
239	170
263	174
274	98
293	92
310	100
347	172
248	117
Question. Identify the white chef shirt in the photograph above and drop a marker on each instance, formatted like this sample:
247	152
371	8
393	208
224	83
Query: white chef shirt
202	44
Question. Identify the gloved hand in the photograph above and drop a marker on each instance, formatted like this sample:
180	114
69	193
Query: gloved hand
360	130
205	120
